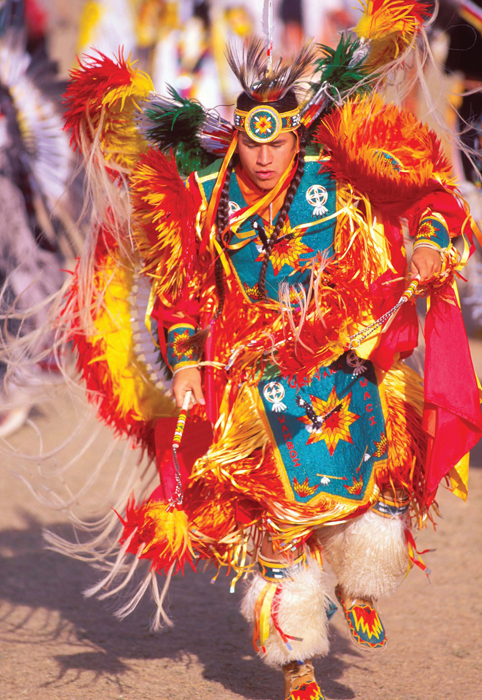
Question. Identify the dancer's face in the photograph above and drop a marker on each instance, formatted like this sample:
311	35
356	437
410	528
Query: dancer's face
265	163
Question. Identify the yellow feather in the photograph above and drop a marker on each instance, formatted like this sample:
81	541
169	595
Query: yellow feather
390	28
120	138
166	528
132	386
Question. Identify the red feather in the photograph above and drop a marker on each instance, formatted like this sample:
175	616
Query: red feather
94	370
87	87
421	11
166	210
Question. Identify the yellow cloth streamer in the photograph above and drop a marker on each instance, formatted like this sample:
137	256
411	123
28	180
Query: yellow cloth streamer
265	613
459	477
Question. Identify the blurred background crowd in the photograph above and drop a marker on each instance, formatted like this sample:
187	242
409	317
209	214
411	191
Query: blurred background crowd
179	43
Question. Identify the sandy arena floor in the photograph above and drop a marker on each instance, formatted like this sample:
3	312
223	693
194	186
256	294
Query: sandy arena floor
56	645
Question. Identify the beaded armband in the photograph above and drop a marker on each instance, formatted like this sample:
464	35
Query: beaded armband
432	232
179	354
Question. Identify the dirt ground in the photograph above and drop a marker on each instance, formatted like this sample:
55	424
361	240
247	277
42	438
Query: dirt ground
57	645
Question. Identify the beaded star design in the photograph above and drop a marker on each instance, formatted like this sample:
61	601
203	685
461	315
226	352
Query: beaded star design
337	425
179	348
287	250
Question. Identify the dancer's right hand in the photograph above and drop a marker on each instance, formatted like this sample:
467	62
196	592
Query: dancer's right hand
185	380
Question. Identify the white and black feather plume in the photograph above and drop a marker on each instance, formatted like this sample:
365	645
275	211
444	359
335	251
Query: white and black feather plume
260	82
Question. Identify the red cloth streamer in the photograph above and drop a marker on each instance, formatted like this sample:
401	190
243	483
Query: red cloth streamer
452	415
402	335
413	550
196	441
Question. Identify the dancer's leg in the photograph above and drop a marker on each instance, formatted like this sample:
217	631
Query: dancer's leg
287	603
369	556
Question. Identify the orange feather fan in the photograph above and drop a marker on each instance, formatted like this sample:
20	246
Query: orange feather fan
384	152
158	534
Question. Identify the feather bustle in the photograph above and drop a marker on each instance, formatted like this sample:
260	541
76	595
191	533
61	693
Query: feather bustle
115	379
104	94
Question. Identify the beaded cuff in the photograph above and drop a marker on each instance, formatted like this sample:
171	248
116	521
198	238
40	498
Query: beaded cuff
178	354
433	230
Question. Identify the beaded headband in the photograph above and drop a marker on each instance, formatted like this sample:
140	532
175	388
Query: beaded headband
264	123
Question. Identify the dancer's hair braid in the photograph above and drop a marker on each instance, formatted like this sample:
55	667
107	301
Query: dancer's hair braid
295	182
222	221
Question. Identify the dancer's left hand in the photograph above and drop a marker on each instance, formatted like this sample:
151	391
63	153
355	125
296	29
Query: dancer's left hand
425	262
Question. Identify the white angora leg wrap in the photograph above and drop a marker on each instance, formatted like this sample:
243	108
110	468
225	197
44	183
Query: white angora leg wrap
301	613
369	555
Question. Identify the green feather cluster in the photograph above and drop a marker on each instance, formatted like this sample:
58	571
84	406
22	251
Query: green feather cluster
173	125
343	72
340	68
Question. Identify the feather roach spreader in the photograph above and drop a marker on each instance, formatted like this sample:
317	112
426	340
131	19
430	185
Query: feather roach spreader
278	296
